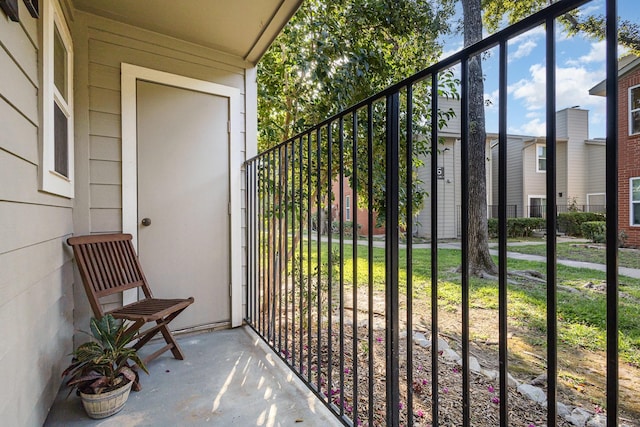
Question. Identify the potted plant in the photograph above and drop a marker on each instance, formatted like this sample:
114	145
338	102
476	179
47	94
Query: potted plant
100	369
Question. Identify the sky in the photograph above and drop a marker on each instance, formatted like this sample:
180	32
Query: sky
580	65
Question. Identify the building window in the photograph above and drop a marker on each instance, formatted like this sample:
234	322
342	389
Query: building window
57	99
541	158
634	206
537	207
634	110
347	207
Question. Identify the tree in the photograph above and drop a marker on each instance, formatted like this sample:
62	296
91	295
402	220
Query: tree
480	261
333	54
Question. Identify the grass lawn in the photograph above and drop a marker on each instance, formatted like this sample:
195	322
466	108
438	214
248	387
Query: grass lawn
581	311
581	314
582	252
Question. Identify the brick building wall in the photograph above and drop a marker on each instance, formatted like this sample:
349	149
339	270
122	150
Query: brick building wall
628	157
362	214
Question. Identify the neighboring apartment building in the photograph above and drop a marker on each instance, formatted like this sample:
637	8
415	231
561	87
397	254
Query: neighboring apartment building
580	177
102	103
351	210
449	164
580	164
628	146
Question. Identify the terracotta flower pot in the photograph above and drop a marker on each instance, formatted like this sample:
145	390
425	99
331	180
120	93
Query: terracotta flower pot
106	404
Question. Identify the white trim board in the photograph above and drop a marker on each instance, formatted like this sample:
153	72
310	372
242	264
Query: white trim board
130	75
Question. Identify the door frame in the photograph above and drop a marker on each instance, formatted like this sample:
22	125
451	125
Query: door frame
130	74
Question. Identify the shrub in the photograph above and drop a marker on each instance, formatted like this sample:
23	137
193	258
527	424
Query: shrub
348	228
622	239
517	227
594	230
571	222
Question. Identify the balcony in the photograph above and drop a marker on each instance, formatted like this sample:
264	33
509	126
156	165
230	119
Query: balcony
229	377
380	331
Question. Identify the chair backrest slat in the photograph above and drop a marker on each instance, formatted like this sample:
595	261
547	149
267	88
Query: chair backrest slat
113	274
116	264
108	264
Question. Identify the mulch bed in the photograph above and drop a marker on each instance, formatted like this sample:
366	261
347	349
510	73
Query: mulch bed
484	392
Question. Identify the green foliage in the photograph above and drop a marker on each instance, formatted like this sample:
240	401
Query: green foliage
103	363
334	54
573	205
574	22
571	222
594	230
622	239
347	227
517	227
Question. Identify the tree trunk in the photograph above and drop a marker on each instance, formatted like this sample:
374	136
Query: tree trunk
480	260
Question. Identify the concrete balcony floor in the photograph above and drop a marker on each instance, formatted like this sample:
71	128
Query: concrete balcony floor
228	377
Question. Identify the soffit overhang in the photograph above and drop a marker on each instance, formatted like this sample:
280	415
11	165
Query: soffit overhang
241	28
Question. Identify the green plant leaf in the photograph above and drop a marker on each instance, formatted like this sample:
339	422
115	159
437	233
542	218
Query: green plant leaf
105	361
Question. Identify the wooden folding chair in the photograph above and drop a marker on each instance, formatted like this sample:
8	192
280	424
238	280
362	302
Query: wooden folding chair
108	264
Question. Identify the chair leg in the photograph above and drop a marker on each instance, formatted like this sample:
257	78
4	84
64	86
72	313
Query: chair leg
146	337
161	326
175	348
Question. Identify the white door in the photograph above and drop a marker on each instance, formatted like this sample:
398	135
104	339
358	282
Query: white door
183	196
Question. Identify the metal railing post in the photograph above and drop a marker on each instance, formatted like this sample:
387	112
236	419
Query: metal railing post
392	302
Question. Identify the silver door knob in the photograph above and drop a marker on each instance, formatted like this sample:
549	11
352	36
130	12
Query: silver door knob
146	222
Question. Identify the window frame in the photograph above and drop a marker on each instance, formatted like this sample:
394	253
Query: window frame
538	158
347	205
52	181
542	206
632	110
632	202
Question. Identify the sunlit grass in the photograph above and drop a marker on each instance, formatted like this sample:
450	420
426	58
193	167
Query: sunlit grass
581	312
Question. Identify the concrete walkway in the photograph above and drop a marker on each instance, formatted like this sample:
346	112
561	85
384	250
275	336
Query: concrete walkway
229	377
622	271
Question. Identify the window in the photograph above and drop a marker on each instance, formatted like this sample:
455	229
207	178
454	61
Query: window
347	205
541	158
634	110
57	99
537	207
634	206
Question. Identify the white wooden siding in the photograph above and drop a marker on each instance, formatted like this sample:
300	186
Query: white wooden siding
449	198
514	172
36	273
12	138
562	168
575	127
105	148
596	169
17	89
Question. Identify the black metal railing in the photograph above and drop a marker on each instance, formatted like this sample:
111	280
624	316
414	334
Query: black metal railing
343	315
540	211
512	211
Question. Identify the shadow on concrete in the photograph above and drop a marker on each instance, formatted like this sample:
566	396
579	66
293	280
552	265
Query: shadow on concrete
228	377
